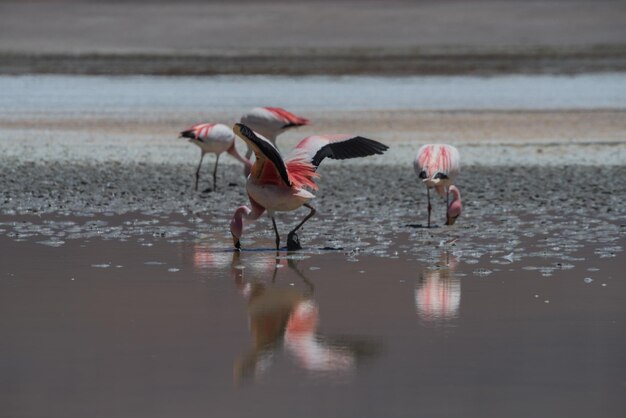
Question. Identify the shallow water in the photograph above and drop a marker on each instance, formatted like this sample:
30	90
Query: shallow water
107	328
141	95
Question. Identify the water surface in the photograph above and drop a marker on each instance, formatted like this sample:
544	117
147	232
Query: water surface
106	328
138	94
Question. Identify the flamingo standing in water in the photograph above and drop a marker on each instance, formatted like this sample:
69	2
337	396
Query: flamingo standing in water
213	138
437	165
271	122
276	184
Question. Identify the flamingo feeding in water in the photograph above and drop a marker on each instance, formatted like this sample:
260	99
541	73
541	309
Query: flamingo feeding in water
455	207
277	185
437	165
213	138
271	122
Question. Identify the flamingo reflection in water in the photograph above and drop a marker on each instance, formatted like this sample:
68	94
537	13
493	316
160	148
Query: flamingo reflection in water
286	318
438	293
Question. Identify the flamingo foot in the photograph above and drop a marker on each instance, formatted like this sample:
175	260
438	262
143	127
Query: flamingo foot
293	242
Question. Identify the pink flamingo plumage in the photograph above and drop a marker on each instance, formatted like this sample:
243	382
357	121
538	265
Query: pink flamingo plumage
276	184
213	138
271	122
437	165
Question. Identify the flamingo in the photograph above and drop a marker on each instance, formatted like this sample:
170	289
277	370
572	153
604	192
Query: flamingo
271	122
437	165
276	184
455	207
213	138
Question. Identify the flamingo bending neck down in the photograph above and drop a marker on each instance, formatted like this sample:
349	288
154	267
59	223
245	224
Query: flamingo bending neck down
276	184
437	165
271	122
213	138
455	207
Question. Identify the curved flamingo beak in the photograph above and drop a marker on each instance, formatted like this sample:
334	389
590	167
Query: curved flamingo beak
430	182
450	220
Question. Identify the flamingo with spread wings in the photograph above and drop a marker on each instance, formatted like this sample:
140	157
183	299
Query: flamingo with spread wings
276	184
271	122
437	165
213	138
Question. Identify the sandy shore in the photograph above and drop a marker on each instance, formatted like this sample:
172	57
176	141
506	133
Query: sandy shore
492	138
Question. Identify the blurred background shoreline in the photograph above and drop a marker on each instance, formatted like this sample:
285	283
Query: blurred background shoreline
398	37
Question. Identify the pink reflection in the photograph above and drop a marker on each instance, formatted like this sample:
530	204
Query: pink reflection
205	257
438	293
285	319
310	350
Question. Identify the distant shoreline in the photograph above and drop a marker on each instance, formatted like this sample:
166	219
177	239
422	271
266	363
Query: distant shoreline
327	61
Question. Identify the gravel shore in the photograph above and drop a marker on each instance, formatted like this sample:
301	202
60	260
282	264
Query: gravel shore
362	208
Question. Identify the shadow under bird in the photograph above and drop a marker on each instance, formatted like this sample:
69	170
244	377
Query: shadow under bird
214	138
438	165
278	184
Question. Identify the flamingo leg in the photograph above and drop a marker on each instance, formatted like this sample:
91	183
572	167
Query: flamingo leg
276	232
198	170
293	243
294	266
275	267
217	159
430	208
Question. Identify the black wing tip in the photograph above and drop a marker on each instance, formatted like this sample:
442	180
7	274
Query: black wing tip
354	147
377	147
188	134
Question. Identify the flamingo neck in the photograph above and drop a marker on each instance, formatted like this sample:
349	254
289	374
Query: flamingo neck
244	213
456	206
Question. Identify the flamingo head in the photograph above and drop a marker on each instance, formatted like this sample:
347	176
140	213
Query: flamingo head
236	225
456	206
